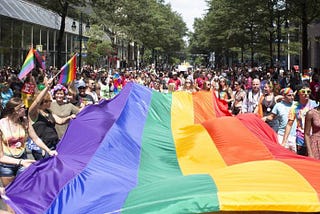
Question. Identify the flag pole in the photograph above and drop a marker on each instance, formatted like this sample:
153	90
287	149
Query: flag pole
57	74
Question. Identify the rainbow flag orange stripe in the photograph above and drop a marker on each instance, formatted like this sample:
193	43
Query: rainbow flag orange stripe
28	65
68	71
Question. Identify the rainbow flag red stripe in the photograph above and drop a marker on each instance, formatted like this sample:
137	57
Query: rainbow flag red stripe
68	71
28	65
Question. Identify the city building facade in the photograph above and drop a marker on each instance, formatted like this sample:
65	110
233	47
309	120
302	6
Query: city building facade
24	25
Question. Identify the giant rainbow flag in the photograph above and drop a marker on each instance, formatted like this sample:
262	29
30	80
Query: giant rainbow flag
147	152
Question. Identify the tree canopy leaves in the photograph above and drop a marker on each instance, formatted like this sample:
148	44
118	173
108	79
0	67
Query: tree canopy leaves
254	28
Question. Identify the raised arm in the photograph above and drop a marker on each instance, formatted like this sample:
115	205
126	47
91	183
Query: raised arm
34	108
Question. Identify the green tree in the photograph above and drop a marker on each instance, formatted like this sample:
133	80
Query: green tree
254	28
306	11
150	23
99	45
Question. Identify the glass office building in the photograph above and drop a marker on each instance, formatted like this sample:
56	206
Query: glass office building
24	25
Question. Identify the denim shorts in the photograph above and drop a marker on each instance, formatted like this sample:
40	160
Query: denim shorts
9	170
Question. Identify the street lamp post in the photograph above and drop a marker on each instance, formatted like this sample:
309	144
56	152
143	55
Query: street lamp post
74	27
271	32
288	44
280	6
278	38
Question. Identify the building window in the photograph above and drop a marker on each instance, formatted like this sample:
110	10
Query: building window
5	36
27	36
36	36
17	34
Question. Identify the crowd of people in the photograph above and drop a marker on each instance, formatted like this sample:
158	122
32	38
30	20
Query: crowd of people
35	112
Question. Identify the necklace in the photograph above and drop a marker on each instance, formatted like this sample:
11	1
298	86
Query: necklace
268	103
45	114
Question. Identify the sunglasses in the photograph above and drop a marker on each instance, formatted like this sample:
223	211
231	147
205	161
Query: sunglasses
305	91
47	101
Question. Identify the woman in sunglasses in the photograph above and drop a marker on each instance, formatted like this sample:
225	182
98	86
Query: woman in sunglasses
225	92
298	113
43	122
239	96
13	137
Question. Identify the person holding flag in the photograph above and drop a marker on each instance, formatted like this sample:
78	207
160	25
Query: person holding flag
43	122
29	87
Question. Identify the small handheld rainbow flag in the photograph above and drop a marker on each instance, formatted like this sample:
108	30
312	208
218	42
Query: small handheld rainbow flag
28	65
68	71
39	60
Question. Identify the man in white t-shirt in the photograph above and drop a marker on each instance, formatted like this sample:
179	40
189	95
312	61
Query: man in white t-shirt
251	100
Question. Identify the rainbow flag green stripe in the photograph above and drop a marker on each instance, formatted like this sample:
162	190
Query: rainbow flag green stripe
159	167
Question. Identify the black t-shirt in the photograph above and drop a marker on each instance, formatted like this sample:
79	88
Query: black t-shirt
45	129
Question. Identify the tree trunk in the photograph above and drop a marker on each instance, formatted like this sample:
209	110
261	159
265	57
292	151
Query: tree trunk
61	33
242	55
304	26
271	50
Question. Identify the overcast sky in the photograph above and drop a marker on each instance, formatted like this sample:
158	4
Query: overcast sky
189	9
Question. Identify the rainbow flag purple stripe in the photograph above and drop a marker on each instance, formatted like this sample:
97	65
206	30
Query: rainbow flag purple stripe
68	71
28	65
148	152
